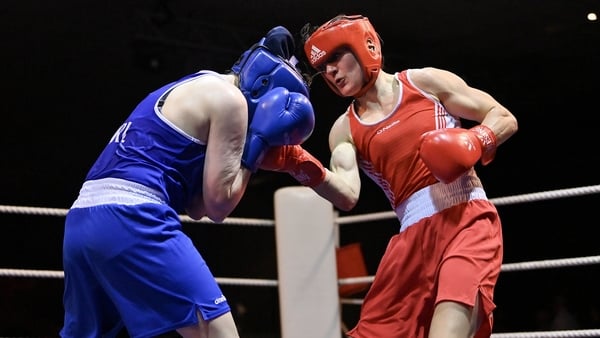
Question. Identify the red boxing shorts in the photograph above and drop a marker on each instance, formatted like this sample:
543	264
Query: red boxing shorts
452	255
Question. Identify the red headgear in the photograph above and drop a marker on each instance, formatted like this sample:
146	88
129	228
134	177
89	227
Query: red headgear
354	32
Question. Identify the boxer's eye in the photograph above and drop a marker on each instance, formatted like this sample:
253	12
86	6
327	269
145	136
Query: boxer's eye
335	57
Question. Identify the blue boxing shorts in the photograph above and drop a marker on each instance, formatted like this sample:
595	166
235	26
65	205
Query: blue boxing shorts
132	266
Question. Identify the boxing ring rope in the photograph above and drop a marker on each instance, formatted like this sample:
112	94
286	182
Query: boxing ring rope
522	266
532	197
306	236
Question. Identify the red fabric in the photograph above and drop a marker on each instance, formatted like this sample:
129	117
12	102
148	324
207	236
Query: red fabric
388	150
296	161
458	249
449	152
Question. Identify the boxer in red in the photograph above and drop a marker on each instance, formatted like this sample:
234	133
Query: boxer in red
403	129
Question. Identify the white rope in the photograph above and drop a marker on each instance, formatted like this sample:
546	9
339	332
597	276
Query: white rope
61	274
547	195
352	301
530	265
246	281
11	209
231	221
356	280
551	263
31	273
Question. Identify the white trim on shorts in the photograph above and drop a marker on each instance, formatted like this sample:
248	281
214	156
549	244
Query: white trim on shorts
437	197
115	191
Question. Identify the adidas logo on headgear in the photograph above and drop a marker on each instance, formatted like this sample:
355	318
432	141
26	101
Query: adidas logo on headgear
316	54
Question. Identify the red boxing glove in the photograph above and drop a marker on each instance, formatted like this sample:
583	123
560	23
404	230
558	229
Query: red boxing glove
296	161
449	153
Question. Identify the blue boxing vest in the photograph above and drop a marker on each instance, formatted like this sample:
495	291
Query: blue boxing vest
150	150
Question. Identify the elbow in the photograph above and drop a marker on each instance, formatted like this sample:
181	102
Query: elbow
515	125
511	127
342	193
505	127
345	202
220	201
217	215
345	206
218	209
511	123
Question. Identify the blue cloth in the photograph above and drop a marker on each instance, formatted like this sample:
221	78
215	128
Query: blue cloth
148	150
132	265
127	262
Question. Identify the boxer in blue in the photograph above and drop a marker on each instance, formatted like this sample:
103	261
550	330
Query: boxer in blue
188	147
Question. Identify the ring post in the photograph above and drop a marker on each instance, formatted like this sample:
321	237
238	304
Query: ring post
308	286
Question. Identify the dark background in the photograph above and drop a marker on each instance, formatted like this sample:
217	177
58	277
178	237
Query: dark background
73	70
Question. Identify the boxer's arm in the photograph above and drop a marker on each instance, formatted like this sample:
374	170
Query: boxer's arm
342	182
196	209
464	101
225	180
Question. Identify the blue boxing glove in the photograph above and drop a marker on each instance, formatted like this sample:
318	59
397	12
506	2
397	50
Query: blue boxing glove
281	118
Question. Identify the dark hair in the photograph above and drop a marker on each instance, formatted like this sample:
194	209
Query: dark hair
303	65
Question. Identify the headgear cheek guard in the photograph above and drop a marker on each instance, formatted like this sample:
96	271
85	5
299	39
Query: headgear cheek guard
260	69
354	32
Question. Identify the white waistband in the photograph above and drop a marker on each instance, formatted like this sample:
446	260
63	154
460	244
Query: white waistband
437	197
115	191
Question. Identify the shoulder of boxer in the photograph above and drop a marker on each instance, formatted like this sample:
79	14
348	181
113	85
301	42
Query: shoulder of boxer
340	132
428	79
194	105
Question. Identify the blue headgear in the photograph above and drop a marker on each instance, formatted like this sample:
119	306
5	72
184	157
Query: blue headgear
268	64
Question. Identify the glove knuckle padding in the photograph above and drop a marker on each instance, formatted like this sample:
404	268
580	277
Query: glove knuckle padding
303	118
448	153
281	118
